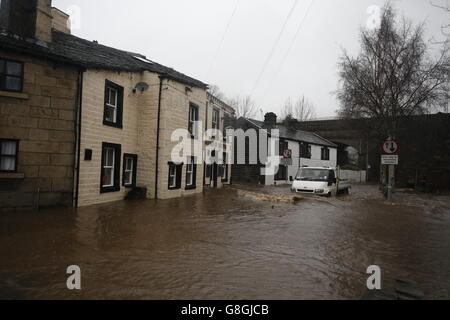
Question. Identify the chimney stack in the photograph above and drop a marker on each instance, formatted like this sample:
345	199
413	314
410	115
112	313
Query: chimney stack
270	120
60	21
27	18
44	20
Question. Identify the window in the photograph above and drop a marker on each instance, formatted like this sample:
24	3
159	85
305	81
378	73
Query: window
325	153
281	174
208	170
8	155
110	176
216	119
11	75
191	173
129	170
175	175
305	151
193	118
283	146
112	115
225	168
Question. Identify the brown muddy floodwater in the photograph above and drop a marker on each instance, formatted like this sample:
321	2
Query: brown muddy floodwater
223	246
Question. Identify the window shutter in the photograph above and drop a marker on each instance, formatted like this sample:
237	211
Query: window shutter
120	107
106	100
117	156
179	169
195	174
135	171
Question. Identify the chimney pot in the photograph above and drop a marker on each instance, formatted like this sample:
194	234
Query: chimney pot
60	21
270	120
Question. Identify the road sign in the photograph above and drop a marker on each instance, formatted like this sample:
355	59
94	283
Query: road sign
390	147
287	154
389	159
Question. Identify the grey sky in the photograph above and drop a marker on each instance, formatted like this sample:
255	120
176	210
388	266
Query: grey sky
186	35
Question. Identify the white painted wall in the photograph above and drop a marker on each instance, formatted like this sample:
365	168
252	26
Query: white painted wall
315	161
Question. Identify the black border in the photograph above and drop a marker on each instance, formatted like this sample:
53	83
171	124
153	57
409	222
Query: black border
2	88
119	123
194	185
118	156
193	105
135	159
179	172
16	164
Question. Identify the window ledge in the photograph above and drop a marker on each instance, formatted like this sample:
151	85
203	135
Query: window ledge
18	95
6	175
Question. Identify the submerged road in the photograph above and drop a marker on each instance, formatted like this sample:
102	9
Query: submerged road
221	245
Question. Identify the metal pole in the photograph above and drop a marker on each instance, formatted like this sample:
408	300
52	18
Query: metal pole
390	182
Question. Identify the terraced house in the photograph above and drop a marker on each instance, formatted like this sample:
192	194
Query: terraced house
94	121
296	149
38	102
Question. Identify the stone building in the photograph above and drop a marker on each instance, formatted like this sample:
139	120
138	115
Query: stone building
218	115
83	123
296	149
424	155
38	102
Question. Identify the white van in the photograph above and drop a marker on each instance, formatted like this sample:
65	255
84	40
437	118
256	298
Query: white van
319	180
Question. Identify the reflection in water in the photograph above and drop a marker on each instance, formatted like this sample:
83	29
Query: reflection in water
222	246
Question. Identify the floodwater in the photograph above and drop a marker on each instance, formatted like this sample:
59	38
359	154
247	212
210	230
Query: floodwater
223	246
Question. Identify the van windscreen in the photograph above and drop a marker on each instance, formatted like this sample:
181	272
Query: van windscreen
307	174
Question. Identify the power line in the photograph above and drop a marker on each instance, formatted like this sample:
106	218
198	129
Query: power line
290	47
275	45
219	48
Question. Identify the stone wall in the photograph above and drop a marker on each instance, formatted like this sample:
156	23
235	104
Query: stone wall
132	136
42	119
175	103
139	132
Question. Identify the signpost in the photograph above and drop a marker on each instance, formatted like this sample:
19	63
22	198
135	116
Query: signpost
287	157
390	158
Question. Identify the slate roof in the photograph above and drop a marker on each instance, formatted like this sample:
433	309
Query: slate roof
88	54
292	134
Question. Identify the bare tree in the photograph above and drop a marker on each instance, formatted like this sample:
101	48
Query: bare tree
444	5
300	110
216	92
245	107
394	76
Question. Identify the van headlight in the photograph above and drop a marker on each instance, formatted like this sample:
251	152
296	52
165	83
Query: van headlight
319	191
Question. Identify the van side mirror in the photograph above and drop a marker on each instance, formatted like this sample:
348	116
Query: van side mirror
332	181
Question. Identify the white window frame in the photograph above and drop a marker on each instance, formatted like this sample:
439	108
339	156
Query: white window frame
174	176
129	170
193	114
190	172
216	119
113	106
112	167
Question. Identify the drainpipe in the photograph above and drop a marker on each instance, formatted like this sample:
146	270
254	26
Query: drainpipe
78	130
161	79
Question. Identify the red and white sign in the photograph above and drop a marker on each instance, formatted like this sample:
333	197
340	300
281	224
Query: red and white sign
390	147
287	154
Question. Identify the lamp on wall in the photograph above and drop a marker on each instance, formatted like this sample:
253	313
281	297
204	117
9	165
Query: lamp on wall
141	86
